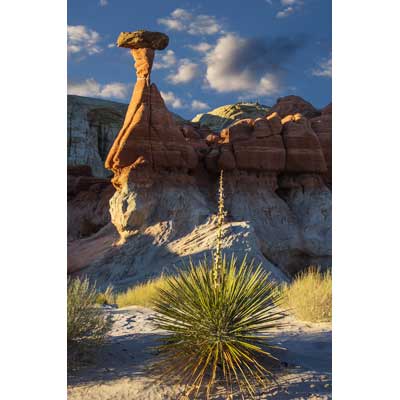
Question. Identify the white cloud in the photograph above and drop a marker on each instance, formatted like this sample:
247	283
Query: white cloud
324	68
172	100
91	87
285	12
183	20
202	47
290	2
198	105
290	6
83	40
111	45
167	60
187	71
103	3
228	69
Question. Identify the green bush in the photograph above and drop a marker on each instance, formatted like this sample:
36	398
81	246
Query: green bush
87	323
309	296
217	317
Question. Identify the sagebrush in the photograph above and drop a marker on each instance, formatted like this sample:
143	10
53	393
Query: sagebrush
87	324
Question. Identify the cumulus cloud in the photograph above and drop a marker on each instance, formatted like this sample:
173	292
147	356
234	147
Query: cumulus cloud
90	87
251	66
324	68
103	3
167	60
187	71
183	20
172	100
202	47
198	105
83	40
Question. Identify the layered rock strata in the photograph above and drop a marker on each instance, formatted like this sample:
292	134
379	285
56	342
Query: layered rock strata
165	178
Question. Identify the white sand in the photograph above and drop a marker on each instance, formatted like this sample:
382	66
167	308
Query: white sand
119	373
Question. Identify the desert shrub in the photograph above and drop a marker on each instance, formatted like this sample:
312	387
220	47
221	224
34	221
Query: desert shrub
87	323
309	296
217	317
106	298
142	294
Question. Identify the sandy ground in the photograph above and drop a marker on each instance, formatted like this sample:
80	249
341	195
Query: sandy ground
120	374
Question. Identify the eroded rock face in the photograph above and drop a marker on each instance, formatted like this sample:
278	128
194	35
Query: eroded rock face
290	105
149	132
303	149
88	202
165	177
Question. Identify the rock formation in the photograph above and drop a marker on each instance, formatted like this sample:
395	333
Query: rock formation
92	126
149	137
165	178
290	105
224	116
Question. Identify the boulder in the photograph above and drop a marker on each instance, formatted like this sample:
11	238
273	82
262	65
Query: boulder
143	39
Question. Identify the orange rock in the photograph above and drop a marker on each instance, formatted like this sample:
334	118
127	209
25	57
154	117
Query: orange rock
303	149
322	126
240	130
149	130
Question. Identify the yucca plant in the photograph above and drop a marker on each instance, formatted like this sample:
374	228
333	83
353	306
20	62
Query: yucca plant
218	319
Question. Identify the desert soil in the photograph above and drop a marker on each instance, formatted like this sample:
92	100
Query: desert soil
120	369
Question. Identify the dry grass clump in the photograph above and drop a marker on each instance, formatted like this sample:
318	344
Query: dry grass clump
87	324
309	296
142	294
106	298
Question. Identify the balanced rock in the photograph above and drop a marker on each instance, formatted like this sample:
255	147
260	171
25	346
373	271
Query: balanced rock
149	137
143	39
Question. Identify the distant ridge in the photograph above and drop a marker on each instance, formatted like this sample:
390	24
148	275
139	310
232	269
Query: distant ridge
223	116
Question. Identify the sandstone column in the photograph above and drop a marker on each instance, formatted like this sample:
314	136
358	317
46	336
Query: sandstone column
149	138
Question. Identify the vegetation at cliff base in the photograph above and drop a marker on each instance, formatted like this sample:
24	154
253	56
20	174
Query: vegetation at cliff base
309	296
87	324
218	317
142	294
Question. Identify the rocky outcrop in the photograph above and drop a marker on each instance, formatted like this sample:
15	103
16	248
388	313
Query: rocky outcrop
92	126
88	202
149	137
322	126
223	116
290	105
163	207
303	149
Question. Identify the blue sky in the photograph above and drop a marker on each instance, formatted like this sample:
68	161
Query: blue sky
219	52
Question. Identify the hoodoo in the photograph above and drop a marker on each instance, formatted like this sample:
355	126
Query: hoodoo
149	137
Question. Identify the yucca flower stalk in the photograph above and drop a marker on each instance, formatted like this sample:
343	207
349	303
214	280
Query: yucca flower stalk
220	221
218	319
